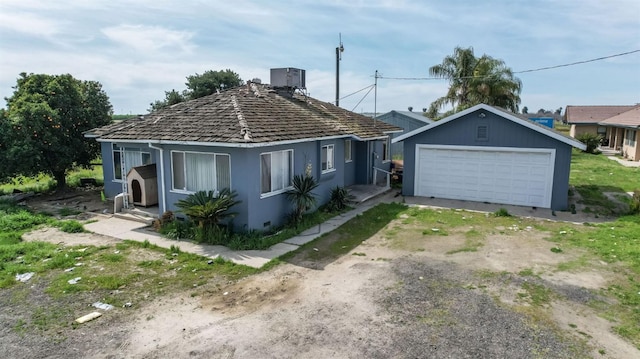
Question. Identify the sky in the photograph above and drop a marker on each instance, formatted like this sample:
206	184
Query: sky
139	49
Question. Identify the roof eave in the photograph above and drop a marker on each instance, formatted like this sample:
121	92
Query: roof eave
237	144
540	129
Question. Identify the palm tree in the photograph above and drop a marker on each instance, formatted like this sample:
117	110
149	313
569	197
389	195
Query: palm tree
475	80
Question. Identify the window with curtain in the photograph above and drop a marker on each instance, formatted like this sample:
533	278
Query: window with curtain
195	171
327	159
132	158
276	171
347	151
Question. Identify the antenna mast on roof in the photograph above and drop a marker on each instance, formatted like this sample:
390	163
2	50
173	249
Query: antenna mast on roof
339	51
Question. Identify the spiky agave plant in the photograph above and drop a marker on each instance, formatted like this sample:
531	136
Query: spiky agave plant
302	195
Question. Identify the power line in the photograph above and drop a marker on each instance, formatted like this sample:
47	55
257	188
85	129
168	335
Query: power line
515	72
578	62
363	97
353	93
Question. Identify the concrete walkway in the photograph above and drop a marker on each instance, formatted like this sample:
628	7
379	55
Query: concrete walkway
625	162
127	229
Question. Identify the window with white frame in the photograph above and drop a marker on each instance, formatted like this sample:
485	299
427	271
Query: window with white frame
198	171
132	158
327	163
347	151
276	171
385	150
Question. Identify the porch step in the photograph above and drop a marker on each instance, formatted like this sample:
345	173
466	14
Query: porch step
135	217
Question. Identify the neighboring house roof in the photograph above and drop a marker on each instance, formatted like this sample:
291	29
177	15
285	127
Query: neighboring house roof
592	114
252	115
629	119
414	115
521	120
145	172
407	120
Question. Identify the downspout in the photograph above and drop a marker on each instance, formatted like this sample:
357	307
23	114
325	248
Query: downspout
162	188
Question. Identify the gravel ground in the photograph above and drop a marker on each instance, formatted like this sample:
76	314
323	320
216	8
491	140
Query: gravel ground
437	317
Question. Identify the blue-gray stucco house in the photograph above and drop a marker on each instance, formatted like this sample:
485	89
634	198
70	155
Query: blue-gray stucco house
487	154
252	139
408	121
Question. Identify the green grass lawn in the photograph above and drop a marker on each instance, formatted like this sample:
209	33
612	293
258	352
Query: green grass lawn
591	175
116	274
44	183
598	170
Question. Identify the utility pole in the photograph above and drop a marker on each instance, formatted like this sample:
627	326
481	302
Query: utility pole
339	51
375	98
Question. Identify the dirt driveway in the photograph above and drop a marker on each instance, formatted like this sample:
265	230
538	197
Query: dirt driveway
396	295
392	298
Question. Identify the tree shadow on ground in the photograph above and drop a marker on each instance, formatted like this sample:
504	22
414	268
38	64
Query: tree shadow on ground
602	200
326	249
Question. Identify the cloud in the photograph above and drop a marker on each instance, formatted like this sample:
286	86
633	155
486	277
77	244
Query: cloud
29	24
146	38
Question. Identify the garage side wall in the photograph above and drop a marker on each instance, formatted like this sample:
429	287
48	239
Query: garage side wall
500	132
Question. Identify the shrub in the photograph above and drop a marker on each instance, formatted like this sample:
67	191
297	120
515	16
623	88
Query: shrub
71	226
338	199
208	210
591	140
502	213
178	230
166	218
634	206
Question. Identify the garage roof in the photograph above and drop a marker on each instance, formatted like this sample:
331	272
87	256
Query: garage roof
504	114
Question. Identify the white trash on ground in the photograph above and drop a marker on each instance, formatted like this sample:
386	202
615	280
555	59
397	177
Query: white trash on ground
74	280
103	306
24	277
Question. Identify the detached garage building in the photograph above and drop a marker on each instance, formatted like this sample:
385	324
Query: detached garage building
487	154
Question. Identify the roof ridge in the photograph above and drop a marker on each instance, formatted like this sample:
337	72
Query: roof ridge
244	126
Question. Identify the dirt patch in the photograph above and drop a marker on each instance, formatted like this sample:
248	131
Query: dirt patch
79	203
56	236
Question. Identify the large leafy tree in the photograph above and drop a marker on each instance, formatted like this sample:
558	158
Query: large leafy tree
474	80
46	118
170	98
5	130
200	85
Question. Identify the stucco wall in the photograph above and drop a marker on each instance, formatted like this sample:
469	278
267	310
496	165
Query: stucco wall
577	129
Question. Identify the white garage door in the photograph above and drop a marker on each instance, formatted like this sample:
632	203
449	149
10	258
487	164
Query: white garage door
519	176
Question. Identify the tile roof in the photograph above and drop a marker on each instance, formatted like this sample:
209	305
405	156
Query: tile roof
249	114
629	118
593	114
